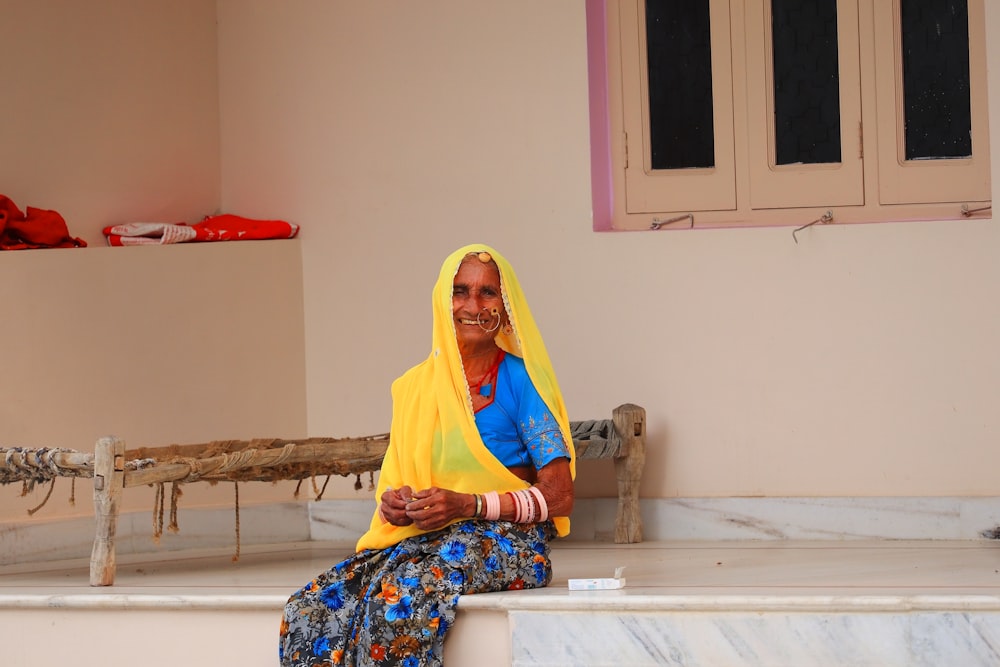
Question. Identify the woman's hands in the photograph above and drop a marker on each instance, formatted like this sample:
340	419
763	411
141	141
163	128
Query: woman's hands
393	507
434	508
429	509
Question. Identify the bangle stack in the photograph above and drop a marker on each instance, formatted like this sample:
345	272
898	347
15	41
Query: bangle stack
529	505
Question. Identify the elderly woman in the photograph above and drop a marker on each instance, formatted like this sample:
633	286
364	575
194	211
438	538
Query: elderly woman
477	479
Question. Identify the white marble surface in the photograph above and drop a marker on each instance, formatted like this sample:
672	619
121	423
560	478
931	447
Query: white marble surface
765	602
675	576
709	519
199	529
775	639
339	520
211	601
950	518
917	518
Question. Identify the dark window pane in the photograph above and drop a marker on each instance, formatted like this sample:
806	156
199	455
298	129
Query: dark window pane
806	81
679	53
936	106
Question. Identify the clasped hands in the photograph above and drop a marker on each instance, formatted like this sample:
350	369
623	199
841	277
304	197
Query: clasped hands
429	509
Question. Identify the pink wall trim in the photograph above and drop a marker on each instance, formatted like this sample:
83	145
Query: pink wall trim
600	140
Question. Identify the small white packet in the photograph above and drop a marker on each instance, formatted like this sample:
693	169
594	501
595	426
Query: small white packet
604	584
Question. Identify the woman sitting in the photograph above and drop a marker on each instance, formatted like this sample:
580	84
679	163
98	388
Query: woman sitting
477	479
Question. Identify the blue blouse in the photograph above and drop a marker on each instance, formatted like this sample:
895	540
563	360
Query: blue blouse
517	427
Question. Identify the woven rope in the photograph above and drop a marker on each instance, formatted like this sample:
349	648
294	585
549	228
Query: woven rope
594	428
39	465
139	464
36	466
221	463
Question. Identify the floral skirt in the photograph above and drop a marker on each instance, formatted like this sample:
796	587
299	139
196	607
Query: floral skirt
393	606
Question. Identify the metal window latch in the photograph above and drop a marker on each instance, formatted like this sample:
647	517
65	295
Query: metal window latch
825	218
967	212
657	223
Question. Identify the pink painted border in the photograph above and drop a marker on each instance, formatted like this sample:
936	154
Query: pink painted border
601	187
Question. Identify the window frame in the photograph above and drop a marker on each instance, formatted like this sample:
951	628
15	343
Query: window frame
766	195
797	186
920	181
711	188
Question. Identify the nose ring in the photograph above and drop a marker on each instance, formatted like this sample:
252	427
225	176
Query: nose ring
493	326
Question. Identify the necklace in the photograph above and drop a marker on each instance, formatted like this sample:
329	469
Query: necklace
484	385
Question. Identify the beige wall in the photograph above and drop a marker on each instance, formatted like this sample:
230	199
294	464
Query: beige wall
157	345
860	361
111	110
112	115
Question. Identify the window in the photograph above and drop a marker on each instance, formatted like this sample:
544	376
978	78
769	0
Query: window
759	112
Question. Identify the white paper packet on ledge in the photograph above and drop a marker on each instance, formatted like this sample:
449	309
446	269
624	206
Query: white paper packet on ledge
605	584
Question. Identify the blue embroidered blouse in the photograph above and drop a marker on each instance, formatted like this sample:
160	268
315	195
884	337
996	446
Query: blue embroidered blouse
517	426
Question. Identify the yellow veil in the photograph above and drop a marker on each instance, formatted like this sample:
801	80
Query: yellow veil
433	436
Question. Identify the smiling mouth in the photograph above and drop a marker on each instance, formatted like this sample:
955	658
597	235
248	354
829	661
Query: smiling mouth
467	321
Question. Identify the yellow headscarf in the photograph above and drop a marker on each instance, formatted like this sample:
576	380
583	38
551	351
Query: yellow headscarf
433	436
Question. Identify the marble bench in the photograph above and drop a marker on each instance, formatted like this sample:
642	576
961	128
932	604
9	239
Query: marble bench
784	603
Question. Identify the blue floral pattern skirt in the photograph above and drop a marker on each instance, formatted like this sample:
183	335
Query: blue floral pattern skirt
394	606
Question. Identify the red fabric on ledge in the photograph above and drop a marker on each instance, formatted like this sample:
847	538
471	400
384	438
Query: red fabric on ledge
226	227
38	229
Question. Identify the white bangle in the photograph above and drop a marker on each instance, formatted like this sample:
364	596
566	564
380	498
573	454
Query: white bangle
492	501
515	498
529	506
543	507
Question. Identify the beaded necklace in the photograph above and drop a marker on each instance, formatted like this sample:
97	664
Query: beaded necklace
484	386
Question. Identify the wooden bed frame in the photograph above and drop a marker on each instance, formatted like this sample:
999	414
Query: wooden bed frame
114	469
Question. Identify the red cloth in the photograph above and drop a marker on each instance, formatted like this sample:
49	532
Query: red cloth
38	229
226	227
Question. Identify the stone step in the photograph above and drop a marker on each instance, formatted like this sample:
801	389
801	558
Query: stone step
698	603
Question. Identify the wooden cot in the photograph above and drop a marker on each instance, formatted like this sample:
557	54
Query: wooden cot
114	469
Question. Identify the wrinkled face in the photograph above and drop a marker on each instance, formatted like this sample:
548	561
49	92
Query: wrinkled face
476	291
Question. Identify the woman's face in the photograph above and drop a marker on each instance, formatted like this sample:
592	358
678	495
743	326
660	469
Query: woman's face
476	292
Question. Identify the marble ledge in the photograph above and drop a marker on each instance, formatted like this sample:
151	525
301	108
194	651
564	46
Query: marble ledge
544	600
127	601
554	599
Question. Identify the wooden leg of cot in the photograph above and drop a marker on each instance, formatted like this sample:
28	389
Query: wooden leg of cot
109	480
630	422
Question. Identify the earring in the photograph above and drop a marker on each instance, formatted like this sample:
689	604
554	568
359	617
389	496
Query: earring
493	327
507	329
